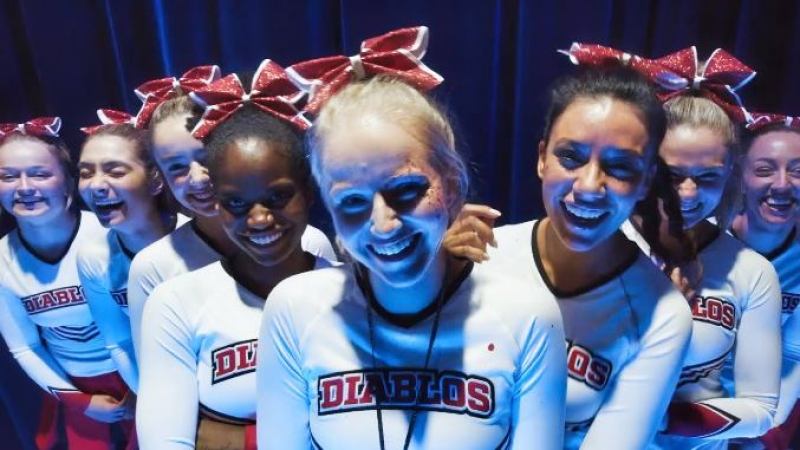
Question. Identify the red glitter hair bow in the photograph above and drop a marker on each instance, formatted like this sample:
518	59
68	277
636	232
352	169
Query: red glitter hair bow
679	73
717	79
155	92
398	53
109	117
38	127
271	92
762	120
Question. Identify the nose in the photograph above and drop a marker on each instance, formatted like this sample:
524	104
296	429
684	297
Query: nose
25	186
782	183
687	189
198	175
260	218
98	185
384	220
591	182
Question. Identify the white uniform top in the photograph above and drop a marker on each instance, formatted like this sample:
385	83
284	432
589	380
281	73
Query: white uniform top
199	341
736	312
185	250
786	261
626	337
43	303
495	379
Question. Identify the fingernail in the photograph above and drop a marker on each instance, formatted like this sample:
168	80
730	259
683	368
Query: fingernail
495	212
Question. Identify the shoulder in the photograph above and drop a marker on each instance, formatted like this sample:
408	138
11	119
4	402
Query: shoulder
94	256
748	269
657	303
164	251
516	232
310	293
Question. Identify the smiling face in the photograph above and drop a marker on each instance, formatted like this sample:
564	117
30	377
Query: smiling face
700	164
182	160
594	168
114	183
33	185
387	202
264	209
772	179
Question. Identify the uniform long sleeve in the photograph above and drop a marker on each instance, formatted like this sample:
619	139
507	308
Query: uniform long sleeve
112	322
280	380
167	408
540	397
22	337
756	374
141	282
633	411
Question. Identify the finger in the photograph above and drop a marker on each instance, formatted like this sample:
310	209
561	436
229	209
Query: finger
465	239
472	254
483	211
484	230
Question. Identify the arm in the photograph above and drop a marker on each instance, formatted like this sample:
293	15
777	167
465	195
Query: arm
22	337
790	372
280	381
640	393
142	279
167	407
756	374
540	396
111	321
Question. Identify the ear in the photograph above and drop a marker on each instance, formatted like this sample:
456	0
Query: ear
155	182
542	153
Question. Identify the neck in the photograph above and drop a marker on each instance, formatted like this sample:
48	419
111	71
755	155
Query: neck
51	238
415	297
153	227
212	230
260	279
763	239
571	271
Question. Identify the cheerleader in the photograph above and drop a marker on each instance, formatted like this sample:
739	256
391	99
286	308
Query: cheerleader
200	329
44	317
771	183
735	301
182	160
407	344
627	328
120	184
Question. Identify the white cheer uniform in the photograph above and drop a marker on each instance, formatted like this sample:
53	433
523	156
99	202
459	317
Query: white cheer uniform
199	341
185	250
44	317
495	378
736	314
626	338
786	261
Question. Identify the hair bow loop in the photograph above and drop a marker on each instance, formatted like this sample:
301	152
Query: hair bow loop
38	127
398	53
155	92
271	91
763	120
109	117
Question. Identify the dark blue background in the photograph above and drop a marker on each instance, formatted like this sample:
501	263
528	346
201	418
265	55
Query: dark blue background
71	57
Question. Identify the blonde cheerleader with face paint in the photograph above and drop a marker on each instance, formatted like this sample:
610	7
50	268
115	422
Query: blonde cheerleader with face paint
183	162
44	316
200	329
407	344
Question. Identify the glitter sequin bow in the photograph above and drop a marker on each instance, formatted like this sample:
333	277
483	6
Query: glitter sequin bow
398	53
109	117
39	127
717	79
762	120
598	55
155	92
271	91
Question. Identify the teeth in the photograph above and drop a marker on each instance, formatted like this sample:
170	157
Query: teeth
686	208
779	202
584	213
102	203
266	238
29	200
394	247
202	195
